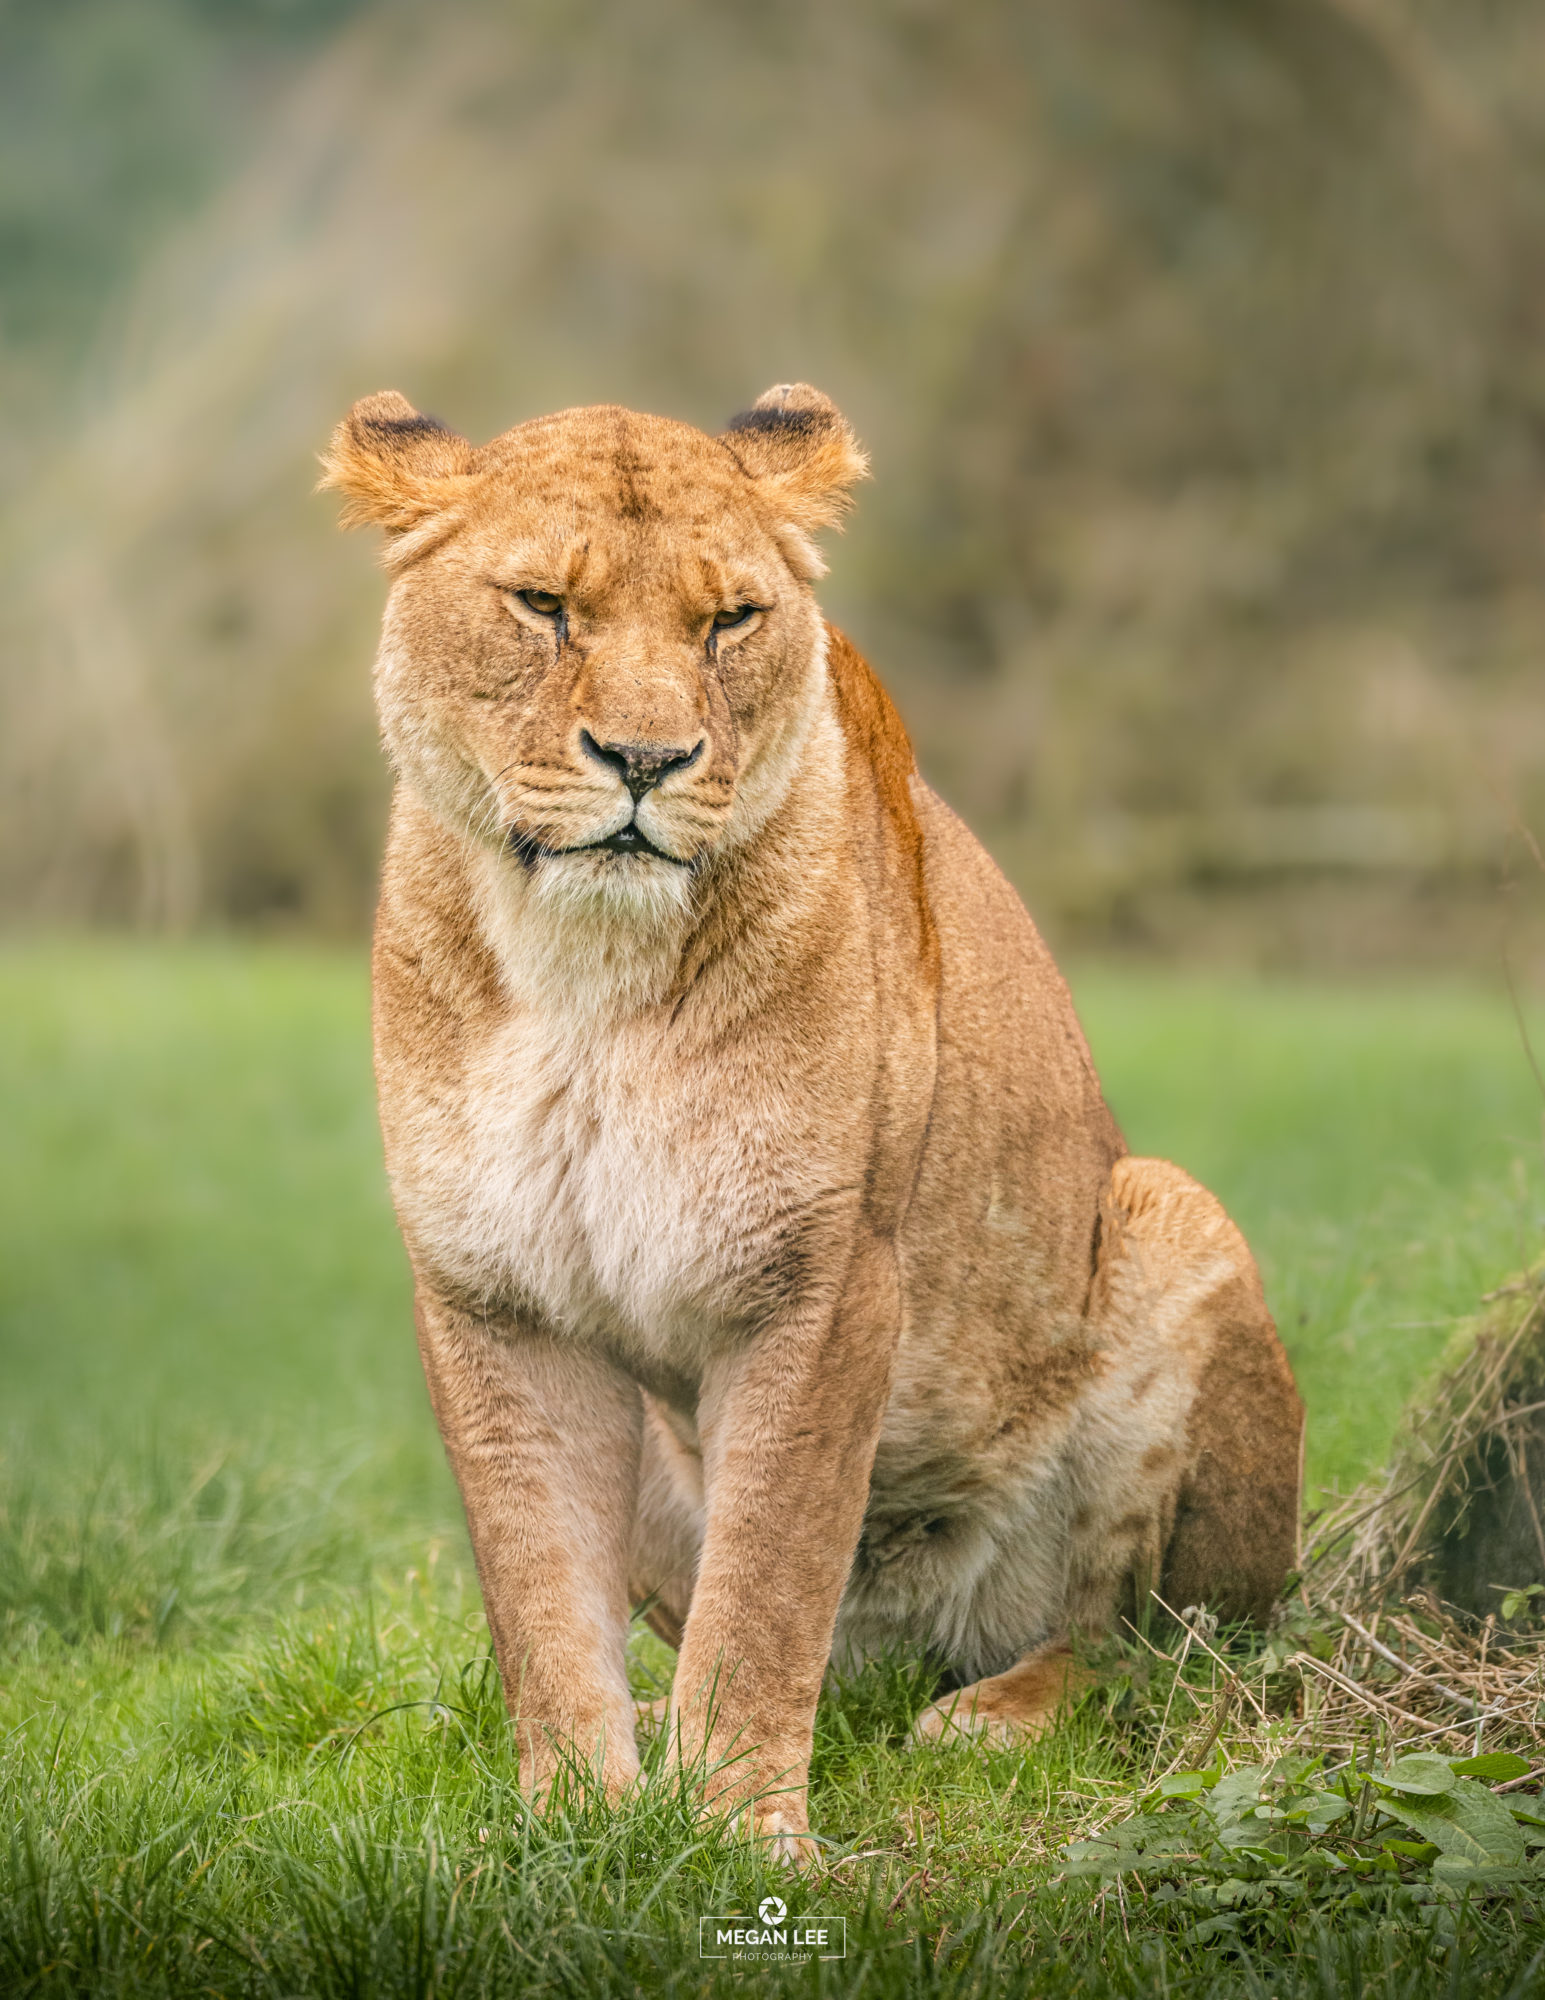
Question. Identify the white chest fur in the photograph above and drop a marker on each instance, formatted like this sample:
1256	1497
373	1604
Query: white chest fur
589	1174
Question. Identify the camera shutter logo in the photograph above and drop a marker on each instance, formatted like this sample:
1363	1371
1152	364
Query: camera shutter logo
772	1937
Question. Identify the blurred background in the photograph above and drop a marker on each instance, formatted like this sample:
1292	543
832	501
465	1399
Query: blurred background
1200	345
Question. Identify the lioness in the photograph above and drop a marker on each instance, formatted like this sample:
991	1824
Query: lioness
779	1266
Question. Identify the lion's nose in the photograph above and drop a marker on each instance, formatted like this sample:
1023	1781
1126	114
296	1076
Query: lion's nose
640	766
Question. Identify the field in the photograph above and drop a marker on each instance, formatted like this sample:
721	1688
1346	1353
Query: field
251	1744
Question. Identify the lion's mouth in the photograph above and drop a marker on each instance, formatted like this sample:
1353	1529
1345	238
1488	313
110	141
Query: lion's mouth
628	839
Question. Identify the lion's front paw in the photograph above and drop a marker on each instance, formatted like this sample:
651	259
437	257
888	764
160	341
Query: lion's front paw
783	1838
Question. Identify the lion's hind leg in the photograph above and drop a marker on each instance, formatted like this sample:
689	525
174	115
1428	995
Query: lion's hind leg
1183	1470
1013	1707
667	1528
1208	1496
667	1537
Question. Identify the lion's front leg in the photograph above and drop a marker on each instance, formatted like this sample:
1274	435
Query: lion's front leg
544	1442
789	1425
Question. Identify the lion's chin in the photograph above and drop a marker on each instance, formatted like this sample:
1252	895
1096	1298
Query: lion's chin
643	885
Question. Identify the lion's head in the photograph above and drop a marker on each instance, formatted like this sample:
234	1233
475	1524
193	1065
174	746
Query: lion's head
601	649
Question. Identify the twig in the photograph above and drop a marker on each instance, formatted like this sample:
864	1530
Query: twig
1222	1708
1511	1416
1367	1697
1394	1659
1158	1742
1260	1707
917	1875
1413	1635
1422	1735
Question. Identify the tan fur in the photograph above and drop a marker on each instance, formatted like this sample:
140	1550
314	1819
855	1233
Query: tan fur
779	1267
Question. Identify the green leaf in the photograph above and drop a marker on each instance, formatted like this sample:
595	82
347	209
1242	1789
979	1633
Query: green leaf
1213	1927
1459	1874
1093	1857
1496	1766
1422	1776
1188	1784
1489	1818
1468	1824
1138	1845
1319	1810
1254	1849
1237	1793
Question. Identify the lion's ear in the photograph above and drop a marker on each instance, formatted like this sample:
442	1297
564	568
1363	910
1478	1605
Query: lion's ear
797	446
397	470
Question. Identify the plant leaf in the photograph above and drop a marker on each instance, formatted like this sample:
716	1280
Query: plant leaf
1423	1776
1489	1818
1213	1927
1237	1793
1323	1810
1189	1784
1495	1767
1459	1874
1468	1824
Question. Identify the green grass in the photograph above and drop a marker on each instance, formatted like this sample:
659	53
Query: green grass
249	1742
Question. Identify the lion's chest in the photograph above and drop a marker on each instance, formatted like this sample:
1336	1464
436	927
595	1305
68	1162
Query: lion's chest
621	1195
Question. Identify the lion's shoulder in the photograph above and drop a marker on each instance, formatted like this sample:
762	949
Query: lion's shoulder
881	760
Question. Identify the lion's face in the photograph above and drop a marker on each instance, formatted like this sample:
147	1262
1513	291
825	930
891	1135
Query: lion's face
601	650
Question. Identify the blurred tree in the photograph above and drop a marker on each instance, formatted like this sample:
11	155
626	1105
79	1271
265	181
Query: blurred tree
1198	344
116	116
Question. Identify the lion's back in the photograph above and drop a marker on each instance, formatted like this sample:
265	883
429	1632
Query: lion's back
1000	1232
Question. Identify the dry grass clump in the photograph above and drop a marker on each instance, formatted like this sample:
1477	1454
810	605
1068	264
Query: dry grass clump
1432	1576
1460	1495
1417	1678
1418	1620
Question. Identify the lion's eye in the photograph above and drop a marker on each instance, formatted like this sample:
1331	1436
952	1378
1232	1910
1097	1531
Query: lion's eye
726	621
545	603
